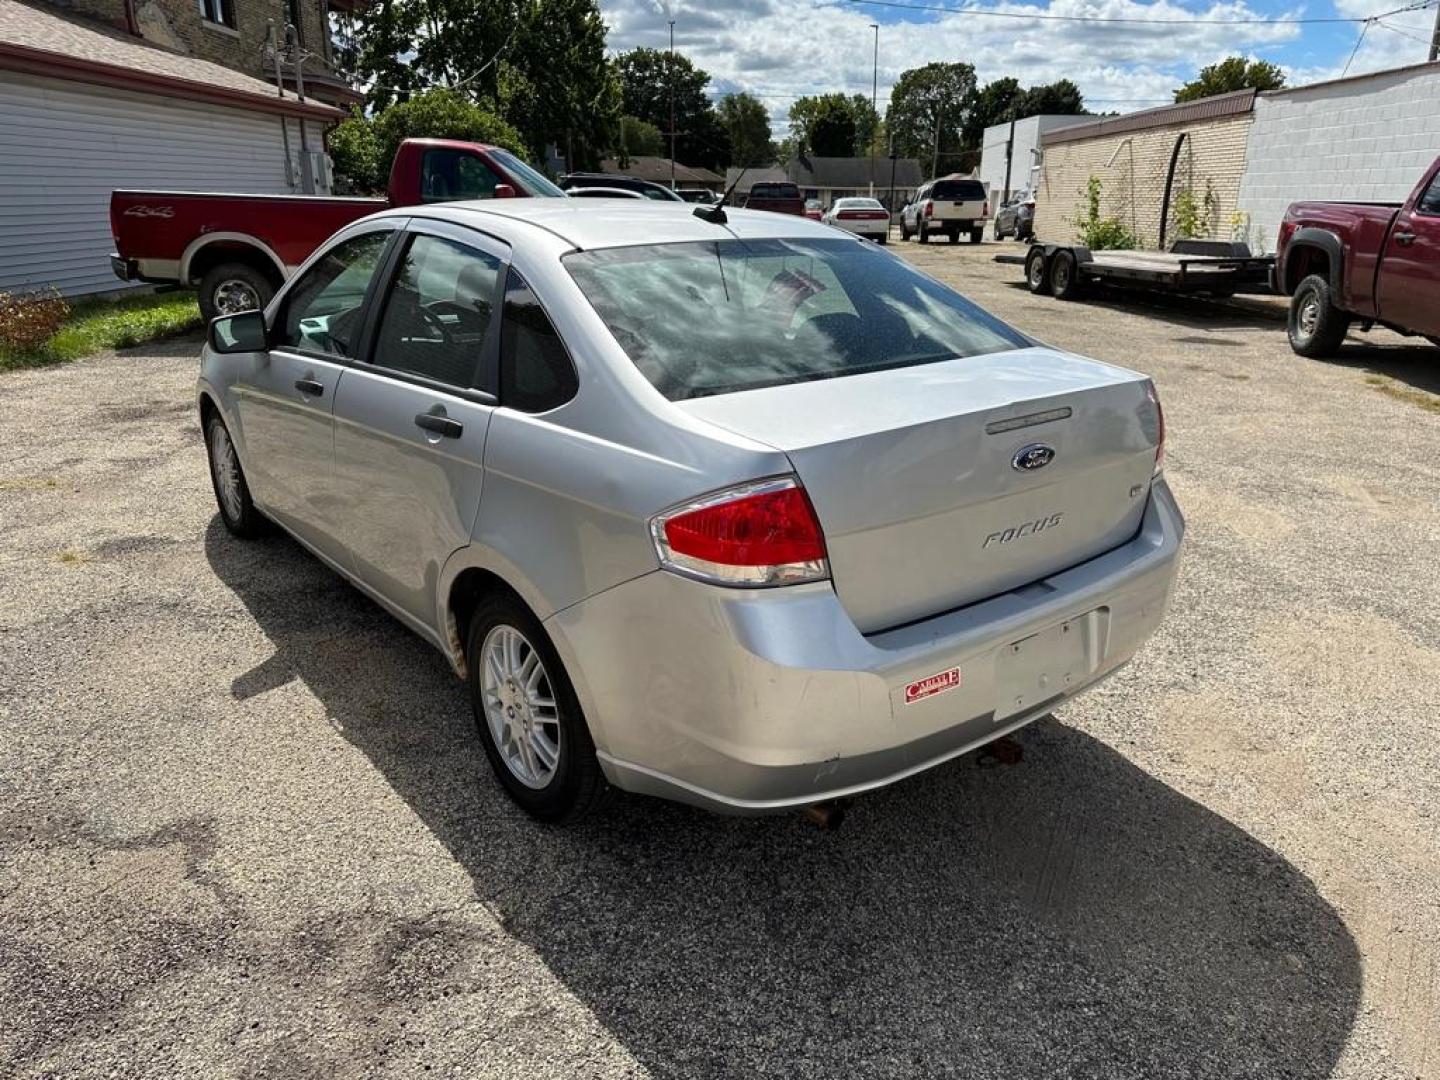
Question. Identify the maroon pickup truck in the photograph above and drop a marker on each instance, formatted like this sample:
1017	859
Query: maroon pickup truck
239	248
1372	262
777	197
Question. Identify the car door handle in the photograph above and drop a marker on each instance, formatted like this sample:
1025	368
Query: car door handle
310	386
441	425
1405	239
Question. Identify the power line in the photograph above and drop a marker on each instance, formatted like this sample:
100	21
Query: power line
1136	20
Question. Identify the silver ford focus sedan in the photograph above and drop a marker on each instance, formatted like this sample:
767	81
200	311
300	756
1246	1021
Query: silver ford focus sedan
721	506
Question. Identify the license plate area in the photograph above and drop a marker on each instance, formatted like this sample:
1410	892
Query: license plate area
1055	661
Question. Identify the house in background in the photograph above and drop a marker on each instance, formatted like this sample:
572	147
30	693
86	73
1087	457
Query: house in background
831	178
657	171
103	94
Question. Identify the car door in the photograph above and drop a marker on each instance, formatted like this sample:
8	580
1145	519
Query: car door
285	407
1410	268
411	417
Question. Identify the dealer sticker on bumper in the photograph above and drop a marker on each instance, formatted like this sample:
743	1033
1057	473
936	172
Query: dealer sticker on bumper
931	685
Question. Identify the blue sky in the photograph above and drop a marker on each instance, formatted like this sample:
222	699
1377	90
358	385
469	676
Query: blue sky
780	49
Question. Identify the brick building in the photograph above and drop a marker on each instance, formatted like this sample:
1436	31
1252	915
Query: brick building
89	104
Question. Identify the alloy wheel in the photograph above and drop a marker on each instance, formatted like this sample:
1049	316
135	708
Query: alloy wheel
520	708
226	467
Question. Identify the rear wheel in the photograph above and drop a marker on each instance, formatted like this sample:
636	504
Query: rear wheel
1064	276
230	288
1037	276
883	238
922	232
232	493
528	716
954	235
977	234
1316	326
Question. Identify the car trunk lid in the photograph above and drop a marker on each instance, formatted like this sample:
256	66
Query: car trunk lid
929	481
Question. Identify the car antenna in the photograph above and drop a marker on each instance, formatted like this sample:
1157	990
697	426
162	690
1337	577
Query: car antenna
715	215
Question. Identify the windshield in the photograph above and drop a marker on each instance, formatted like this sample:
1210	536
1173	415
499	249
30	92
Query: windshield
534	182
718	317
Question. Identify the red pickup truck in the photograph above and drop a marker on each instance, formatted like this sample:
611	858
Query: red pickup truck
239	248
1373	262
777	197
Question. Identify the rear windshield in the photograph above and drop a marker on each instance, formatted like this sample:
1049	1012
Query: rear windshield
718	317
958	190
774	191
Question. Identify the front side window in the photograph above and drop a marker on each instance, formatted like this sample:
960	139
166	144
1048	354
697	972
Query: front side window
536	374
452	175
323	311
1430	201
218	11
719	317
438	311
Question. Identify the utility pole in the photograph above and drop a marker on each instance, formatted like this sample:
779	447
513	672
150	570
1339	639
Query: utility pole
1009	153
874	88
670	63
891	204
1435	38
935	159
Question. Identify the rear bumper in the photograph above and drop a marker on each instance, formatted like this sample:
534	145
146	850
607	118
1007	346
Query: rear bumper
124	269
864	228
758	701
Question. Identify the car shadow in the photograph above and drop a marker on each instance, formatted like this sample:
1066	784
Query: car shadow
1404	360
1069	915
1192	312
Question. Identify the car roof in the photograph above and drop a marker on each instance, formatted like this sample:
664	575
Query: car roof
600	223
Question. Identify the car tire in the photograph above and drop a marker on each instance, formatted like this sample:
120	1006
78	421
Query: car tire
509	703
954	235
1065	283
904	230
227	478
229	288
977	235
1316	327
997	233
922	233
1037	273
883	239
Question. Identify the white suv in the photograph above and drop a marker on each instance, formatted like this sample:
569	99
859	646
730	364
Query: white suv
948	206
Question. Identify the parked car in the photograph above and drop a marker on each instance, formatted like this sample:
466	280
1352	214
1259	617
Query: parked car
1374	262
862	216
948	206
814	209
644	188
699	195
778	198
1016	217
748	515
237	249
602	193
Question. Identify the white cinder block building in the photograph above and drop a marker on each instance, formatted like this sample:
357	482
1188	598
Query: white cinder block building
1018	147
1366	138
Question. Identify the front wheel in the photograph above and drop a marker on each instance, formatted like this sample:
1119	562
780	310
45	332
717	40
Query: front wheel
528	716
904	229
1316	327
232	493
230	288
997	233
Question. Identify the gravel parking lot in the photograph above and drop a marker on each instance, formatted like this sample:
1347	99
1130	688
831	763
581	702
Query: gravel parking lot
246	830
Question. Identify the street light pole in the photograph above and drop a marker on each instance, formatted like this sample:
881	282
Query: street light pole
670	63
1435	38
875	115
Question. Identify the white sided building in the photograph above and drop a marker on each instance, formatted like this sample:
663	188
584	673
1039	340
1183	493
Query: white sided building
1010	154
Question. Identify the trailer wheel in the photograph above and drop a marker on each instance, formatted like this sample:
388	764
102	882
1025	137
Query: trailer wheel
1065	281
1316	326
1036	275
232	287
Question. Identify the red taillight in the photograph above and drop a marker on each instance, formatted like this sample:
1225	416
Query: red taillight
763	533
985	209
929	208
1160	438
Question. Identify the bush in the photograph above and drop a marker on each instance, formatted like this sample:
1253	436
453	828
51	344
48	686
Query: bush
28	320
362	148
1101	233
93	326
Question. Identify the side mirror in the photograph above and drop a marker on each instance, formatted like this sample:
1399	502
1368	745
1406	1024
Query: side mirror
244	332
504	191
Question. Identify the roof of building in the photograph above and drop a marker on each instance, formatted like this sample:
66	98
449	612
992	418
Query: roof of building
852	172
753	176
1235	103
41	41
657	170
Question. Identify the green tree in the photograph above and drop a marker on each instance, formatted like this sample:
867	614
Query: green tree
1234	73
1062	98
362	148
824	126
869	131
645	81
928	109
747	127
996	102
639	139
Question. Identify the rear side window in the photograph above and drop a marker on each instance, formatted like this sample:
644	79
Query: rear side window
536	374
438	311
958	190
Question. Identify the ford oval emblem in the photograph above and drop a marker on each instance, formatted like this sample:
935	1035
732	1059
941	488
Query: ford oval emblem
1032	457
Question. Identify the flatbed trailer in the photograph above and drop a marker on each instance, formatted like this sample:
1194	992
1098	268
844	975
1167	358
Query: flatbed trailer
1204	267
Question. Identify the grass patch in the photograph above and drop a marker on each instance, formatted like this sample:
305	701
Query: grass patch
96	325
1421	398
